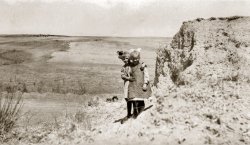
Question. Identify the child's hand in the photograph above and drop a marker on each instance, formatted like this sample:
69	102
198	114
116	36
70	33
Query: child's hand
144	87
131	79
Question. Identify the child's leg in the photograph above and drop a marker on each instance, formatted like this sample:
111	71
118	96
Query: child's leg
129	107
135	108
138	107
126	89
141	106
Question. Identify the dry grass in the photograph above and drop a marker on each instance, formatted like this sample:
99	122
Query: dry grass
10	107
71	125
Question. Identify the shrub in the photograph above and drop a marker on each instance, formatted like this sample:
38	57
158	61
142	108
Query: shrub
82	88
83	118
225	34
10	106
233	18
233	57
40	86
199	19
93	101
230	18
222	18
212	18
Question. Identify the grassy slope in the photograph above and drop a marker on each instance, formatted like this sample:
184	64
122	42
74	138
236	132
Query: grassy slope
51	74
27	61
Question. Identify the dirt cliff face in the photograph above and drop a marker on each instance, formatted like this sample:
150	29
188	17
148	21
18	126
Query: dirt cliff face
204	49
203	82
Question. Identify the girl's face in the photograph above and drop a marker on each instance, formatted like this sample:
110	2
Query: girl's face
134	57
134	61
126	60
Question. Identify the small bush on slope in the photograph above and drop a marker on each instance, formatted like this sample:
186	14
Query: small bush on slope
10	107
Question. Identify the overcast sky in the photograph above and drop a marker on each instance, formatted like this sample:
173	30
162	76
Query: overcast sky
110	17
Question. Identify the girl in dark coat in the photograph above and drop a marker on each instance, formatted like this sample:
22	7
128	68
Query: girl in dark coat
138	89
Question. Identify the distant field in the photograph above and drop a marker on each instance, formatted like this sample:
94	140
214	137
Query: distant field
58	65
62	64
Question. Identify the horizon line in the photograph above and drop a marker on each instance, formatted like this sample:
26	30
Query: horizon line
61	35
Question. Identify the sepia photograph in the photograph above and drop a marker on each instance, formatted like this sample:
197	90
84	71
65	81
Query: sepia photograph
124	72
